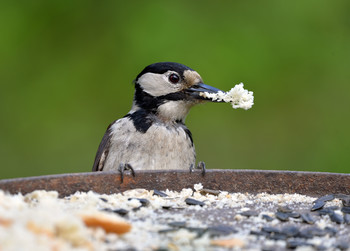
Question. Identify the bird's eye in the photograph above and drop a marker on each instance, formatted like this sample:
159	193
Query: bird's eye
174	78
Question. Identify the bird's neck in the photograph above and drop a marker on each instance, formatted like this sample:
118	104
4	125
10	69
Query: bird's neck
167	109
168	112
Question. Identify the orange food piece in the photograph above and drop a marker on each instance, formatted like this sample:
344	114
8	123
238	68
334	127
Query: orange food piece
38	229
230	243
5	222
109	224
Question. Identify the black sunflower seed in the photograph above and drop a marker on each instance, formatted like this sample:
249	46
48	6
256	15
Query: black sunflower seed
347	219
308	218
334	208
267	217
294	215
325	211
159	193
282	216
220	230
193	202
341	196
177	224
144	202
121	211
269	229
277	236
318	205
198	230
292	244
284	209
167	230
331	230
290	231
327	197
305	234
337	218
346	201
346	210
259	233
249	213
103	199
315	231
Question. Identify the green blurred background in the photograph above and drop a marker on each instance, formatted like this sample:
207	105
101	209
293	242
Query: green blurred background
66	71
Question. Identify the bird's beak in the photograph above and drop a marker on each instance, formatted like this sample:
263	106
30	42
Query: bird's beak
196	90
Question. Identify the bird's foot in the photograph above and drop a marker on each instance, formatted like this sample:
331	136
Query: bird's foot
125	167
200	165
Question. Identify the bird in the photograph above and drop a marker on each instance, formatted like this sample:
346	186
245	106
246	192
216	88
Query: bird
153	134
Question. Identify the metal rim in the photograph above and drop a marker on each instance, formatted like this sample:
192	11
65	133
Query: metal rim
251	181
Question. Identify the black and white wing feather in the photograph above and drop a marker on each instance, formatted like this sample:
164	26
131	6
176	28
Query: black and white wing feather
103	150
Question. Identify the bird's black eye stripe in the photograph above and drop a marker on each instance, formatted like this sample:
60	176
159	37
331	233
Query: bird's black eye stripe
174	78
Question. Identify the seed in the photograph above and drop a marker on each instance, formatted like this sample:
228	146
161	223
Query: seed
167	230
121	211
198	230
193	202
249	213
294	215
327	197
144	202
325	211
347	218
284	209
267	217
278	236
306	234
315	231
259	233
318	205
337	218
296	243
346	201
290	231
308	218
331	230
177	224
159	193
282	216
206	191
103	199
346	210
221	230
270	229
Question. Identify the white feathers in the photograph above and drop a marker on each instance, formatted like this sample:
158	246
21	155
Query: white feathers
157	84
237	96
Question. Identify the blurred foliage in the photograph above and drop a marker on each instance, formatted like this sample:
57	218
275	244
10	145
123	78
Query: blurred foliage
66	71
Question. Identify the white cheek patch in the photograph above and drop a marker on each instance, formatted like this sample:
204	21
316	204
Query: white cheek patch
157	84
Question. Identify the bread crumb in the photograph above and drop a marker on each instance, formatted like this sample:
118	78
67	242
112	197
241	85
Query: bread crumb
237	96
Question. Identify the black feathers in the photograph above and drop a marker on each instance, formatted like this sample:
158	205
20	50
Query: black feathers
141	120
162	67
150	103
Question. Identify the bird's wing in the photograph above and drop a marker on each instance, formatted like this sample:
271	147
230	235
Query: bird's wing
103	150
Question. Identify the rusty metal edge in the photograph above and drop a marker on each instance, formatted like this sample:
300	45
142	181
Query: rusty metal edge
251	181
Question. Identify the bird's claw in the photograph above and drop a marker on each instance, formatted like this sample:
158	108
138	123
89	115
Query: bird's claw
125	167
200	165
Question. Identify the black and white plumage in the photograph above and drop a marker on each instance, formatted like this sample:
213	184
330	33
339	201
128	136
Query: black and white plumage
153	135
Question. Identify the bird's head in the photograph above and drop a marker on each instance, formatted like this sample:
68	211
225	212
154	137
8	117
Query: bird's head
169	90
